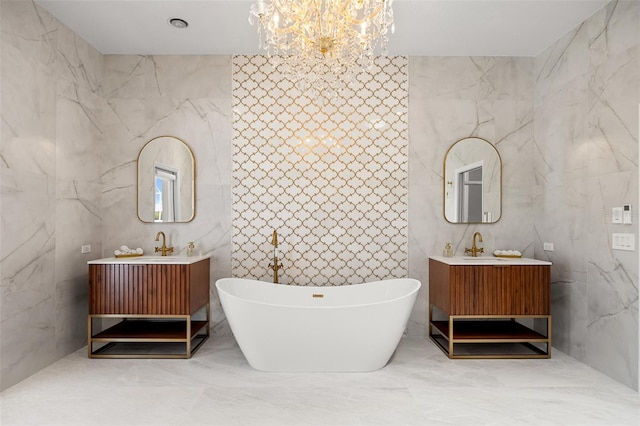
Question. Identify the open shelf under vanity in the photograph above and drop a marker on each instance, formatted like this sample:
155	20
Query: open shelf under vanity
147	336
491	337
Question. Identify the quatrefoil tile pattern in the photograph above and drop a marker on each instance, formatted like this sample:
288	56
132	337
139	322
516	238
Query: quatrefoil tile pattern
329	176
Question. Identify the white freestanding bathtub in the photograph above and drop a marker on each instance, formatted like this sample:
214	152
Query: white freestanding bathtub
351	328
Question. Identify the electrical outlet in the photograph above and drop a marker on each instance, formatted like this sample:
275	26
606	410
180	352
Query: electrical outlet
86	248
547	246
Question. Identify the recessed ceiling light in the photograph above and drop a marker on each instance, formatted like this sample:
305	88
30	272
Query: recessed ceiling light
178	23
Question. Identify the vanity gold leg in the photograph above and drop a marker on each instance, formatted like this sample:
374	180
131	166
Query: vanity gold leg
188	355
208	320
549	336
450	336
89	332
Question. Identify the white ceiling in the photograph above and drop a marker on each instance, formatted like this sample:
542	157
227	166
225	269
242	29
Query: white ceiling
423	27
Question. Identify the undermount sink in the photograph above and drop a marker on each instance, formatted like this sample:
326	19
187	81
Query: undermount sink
157	259
488	261
482	259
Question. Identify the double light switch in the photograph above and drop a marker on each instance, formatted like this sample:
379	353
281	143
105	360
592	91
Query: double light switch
621	214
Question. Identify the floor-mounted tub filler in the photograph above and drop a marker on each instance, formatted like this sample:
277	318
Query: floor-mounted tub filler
285	328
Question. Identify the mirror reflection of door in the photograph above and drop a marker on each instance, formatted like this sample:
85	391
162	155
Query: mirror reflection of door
470	195
166	193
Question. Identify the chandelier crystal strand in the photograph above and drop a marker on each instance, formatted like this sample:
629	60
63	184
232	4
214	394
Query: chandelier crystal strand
322	44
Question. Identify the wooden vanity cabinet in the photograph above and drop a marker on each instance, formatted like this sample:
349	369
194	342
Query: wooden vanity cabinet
150	310
490	310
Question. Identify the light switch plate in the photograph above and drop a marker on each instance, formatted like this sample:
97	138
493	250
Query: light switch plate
616	215
86	248
623	242
547	246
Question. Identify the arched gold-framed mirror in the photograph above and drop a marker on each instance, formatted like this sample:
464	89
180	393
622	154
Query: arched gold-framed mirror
472	182
166	181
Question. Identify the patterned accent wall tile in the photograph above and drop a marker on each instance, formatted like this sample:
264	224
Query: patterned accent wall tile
329	176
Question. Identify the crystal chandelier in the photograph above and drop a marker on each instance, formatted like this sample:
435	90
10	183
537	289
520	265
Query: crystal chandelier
322	44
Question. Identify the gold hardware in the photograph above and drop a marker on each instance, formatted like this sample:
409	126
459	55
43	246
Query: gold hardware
318	295
275	266
164	249
474	250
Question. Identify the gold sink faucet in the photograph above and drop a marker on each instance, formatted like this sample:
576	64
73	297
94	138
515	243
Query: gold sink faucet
474	250
164	249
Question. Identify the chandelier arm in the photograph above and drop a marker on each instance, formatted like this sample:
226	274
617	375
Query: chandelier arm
295	26
368	18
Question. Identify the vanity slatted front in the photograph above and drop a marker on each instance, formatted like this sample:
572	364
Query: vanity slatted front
152	304
490	310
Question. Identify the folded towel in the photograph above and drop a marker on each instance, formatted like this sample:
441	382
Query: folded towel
507	253
124	250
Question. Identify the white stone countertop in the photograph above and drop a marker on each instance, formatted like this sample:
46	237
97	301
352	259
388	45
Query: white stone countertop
142	260
488	260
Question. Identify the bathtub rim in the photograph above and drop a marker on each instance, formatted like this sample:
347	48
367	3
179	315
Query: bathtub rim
410	293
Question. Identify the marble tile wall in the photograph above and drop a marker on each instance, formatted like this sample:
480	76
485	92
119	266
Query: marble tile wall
451	98
587	94
188	97
50	153
70	140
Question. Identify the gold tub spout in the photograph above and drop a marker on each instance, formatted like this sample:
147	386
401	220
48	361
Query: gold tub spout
275	266
474	250
164	249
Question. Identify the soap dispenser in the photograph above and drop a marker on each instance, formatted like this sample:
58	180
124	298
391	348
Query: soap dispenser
191	248
447	252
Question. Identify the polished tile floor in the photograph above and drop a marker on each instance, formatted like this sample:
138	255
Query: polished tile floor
420	386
